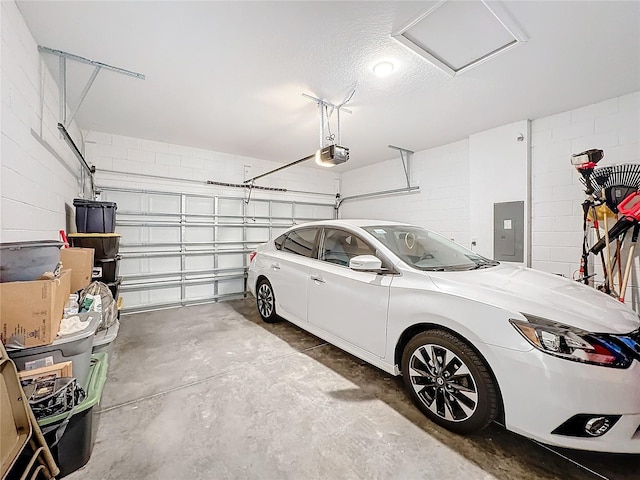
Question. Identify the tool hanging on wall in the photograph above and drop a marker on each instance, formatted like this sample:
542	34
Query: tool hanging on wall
627	268
585	162
611	191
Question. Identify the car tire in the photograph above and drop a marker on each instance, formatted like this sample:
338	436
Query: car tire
449	382
266	301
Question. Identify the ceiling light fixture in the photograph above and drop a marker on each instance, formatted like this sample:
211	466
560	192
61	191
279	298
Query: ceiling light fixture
383	69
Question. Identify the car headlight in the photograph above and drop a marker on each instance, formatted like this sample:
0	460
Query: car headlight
573	343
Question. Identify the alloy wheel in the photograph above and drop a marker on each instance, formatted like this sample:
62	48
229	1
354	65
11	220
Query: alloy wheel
443	383
265	300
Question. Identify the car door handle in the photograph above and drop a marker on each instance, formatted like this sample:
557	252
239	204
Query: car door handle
275	266
317	278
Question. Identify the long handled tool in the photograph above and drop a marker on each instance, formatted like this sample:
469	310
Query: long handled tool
608	253
627	269
585	162
596	225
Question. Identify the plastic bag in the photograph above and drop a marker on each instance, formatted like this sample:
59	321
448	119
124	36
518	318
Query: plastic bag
108	309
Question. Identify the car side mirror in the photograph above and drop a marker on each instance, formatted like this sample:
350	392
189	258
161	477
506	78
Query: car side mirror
365	263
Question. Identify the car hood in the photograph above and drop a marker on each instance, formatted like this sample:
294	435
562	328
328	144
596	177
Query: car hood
528	291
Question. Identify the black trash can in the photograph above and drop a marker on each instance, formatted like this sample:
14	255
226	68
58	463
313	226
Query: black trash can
95	217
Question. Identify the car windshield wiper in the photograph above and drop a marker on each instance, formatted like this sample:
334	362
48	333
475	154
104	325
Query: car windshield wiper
484	265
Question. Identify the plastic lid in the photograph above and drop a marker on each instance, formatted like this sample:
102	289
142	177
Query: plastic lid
81	202
31	244
97	235
107	336
87	332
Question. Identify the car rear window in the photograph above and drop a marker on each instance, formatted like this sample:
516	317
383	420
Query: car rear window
279	241
300	241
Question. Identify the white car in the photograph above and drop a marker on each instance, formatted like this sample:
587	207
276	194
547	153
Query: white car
475	340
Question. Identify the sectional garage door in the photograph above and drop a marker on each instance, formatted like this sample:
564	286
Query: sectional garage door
180	249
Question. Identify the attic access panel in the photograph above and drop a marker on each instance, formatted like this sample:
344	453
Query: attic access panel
458	35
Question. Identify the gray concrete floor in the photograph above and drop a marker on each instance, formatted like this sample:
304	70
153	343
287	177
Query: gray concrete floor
211	392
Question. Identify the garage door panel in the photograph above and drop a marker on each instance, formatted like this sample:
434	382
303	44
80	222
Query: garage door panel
232	260
163	264
199	234
258	235
230	206
165	295
167	234
125	201
200	205
132	266
133	299
129	235
228	287
162	234
206	290
323	212
258	208
163	203
230	234
280	210
201	262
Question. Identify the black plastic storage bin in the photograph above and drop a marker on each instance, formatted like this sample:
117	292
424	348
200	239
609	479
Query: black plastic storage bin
73	448
95	217
115	288
105	245
106	270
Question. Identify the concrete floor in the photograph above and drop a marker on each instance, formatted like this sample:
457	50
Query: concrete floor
211	392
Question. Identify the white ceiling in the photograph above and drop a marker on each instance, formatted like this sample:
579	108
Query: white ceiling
229	76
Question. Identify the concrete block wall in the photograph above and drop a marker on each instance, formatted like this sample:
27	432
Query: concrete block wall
132	163
39	174
442	204
557	194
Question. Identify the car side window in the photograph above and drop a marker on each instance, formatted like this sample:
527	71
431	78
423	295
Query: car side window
300	241
279	241
340	246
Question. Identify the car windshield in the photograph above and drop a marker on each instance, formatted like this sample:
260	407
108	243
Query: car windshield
426	250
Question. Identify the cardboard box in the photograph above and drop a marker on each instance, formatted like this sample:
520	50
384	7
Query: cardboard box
57	370
80	261
31	312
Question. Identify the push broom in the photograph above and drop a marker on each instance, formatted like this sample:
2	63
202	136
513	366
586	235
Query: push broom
627	268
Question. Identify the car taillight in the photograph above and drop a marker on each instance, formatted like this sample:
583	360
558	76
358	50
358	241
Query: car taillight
252	255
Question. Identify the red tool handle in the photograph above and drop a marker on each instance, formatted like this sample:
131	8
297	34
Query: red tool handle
63	237
630	206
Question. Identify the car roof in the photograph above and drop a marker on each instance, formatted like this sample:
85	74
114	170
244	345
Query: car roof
352	222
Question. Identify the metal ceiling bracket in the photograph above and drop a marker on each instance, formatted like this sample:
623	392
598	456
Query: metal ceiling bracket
323	107
405	164
62	75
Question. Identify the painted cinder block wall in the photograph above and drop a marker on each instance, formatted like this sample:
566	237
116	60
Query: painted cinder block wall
39	174
556	192
132	162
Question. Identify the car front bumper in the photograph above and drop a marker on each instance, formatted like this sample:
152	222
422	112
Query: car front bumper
540	392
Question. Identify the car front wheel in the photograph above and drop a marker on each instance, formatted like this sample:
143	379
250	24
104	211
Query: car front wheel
266	301
449	382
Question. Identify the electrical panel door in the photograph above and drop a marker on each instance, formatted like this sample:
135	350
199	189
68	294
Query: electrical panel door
508	231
